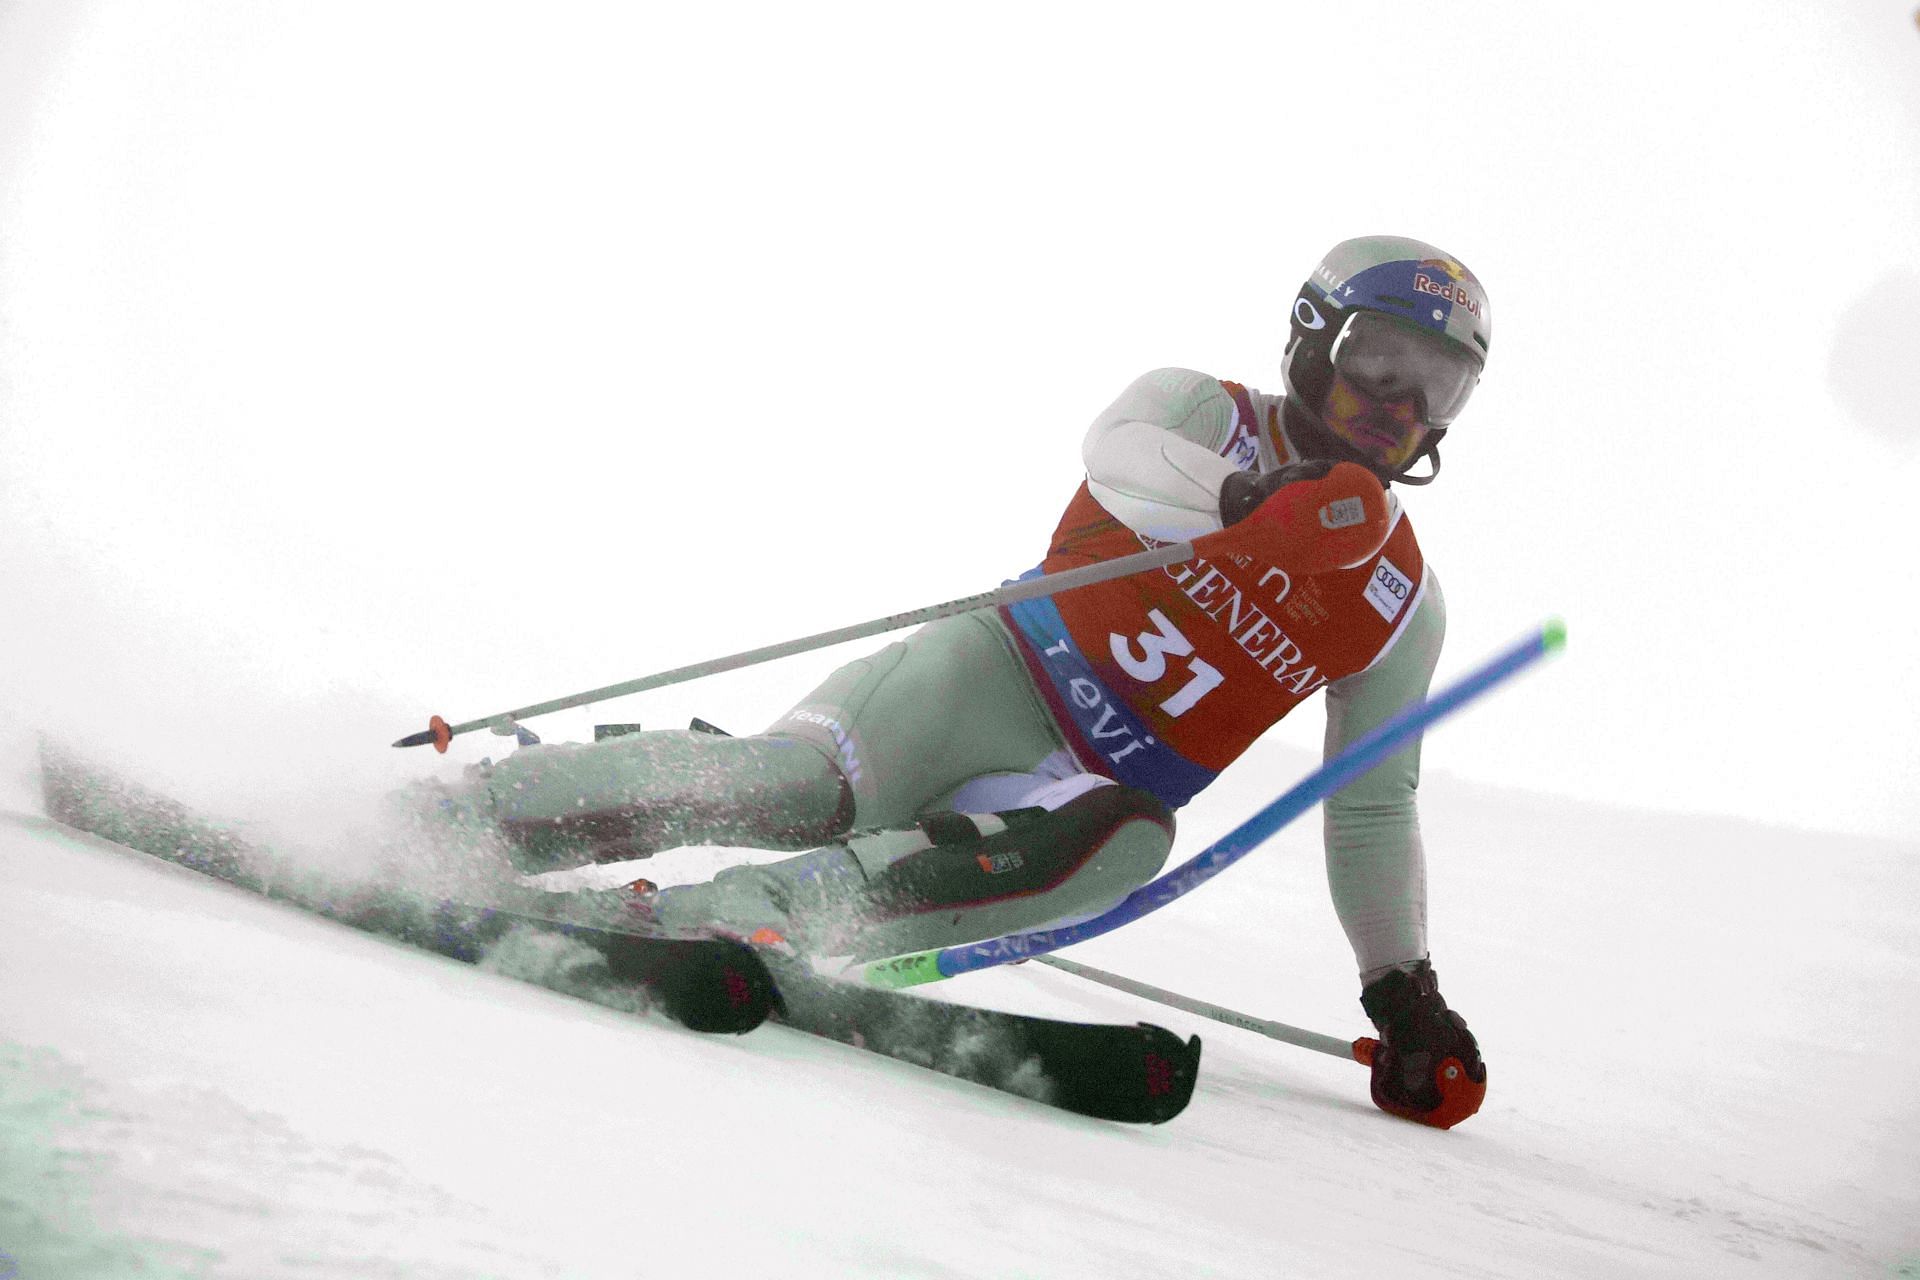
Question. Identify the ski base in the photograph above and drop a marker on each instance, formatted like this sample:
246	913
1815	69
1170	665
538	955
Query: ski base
1140	1074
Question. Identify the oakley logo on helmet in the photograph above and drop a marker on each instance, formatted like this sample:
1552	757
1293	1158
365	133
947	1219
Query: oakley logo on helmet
1335	284
1306	316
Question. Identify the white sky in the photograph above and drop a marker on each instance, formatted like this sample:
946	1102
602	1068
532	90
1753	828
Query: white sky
364	361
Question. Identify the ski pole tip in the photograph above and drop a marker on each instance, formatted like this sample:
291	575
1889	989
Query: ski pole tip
1553	636
437	732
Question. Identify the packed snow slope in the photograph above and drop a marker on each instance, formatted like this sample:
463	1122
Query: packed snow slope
1701	1038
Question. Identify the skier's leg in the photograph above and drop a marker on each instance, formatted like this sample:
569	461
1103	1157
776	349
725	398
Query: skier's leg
973	817
961	877
634	795
869	747
1082	845
915	721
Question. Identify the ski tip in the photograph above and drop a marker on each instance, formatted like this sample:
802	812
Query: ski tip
1171	1068
1553	635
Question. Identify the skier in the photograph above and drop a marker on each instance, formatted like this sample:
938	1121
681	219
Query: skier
1005	769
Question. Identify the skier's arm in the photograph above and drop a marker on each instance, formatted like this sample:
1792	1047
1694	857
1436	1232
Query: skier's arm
1153	458
1376	866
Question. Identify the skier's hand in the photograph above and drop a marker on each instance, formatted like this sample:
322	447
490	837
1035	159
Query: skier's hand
1243	491
1426	1064
1308	517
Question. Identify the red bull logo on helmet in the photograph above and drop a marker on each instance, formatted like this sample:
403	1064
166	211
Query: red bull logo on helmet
1453	288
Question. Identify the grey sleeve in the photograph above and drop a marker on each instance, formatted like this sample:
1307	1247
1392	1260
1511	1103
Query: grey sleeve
1376	866
1153	458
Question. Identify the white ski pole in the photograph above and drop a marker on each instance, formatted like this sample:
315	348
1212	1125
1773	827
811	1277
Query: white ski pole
440	733
1360	1050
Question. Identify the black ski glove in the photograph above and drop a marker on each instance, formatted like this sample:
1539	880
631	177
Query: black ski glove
1427	1066
1242	491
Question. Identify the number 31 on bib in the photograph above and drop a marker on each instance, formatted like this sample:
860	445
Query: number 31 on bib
1148	662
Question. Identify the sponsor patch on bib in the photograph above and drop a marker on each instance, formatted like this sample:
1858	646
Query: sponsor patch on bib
1388	589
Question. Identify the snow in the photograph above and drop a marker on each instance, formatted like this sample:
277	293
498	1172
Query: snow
557	352
1699	1035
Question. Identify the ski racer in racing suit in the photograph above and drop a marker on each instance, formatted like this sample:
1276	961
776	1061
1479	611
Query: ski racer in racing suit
1005	769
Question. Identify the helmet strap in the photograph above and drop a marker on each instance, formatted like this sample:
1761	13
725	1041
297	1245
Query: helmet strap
1430	450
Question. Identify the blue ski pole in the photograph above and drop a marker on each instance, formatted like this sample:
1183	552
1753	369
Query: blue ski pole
1362	755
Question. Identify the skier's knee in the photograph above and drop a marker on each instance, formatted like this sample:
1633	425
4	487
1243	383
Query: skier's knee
1089	852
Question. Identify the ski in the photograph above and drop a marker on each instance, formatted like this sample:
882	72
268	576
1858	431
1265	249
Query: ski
1139	1074
706	983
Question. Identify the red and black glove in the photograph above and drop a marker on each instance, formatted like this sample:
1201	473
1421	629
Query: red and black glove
1426	1066
1308	517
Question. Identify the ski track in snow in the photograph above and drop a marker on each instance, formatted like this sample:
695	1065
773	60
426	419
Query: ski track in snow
1698	1035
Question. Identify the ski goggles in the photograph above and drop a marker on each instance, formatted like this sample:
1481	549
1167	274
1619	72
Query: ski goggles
1392	360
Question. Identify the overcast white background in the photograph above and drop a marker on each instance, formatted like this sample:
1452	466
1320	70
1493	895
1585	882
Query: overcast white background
369	360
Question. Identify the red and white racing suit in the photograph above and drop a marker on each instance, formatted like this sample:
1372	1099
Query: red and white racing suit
1160	680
